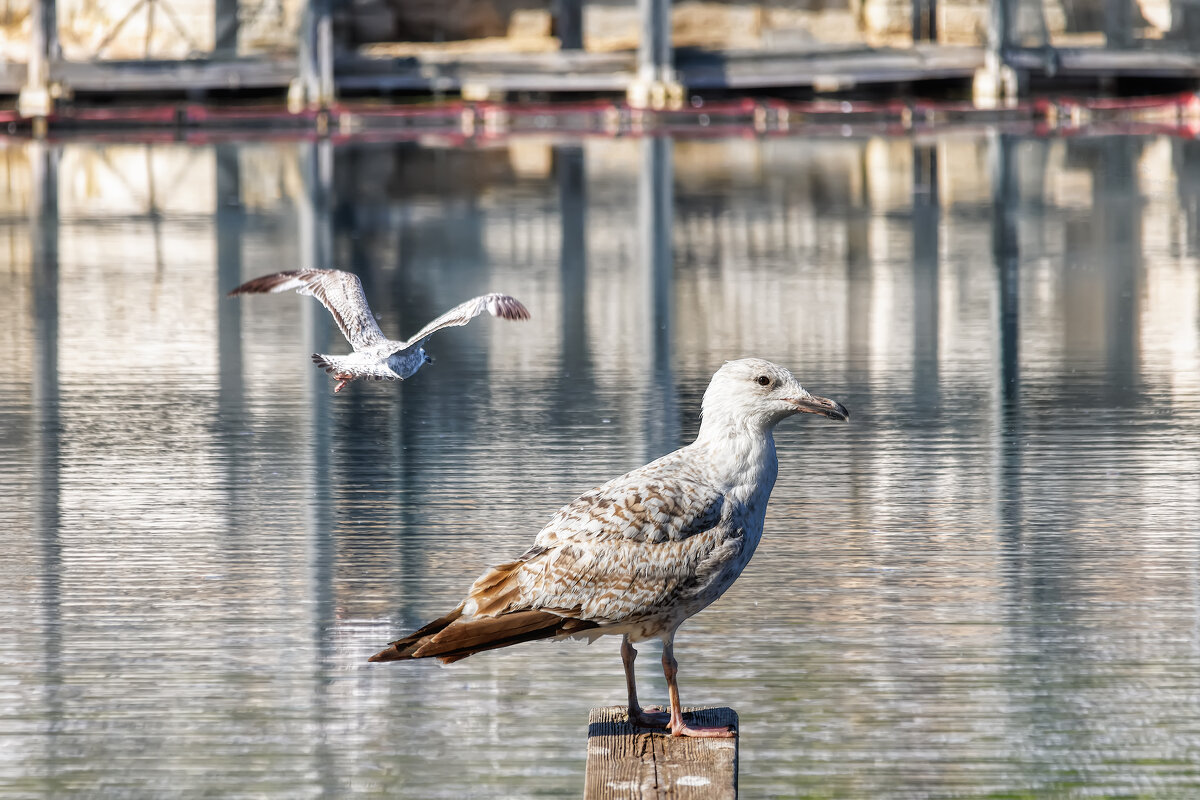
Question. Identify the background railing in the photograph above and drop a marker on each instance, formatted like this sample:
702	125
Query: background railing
650	49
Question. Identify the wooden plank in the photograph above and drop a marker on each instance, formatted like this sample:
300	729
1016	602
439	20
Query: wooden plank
1092	62
627	763
135	76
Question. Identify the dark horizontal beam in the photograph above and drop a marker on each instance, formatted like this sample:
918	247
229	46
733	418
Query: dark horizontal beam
144	76
1094	62
575	71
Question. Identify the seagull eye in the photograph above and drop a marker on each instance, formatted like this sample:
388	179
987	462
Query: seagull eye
763	380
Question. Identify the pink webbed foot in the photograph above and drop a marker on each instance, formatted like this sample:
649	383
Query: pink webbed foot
698	732
342	380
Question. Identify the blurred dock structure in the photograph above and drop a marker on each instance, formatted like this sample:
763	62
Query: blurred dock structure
654	53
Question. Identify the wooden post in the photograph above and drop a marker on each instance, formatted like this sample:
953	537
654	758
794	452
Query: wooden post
637	764
36	99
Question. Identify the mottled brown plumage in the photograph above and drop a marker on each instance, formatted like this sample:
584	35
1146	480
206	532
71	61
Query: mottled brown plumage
645	551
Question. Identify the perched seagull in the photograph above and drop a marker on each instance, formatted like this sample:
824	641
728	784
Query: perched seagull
375	356
642	553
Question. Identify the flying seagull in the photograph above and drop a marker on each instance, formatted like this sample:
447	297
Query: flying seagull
645	551
375	356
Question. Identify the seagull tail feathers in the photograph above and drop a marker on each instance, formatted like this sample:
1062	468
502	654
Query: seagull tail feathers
403	648
332	364
454	637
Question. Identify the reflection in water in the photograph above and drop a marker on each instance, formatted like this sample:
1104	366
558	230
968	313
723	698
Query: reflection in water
986	583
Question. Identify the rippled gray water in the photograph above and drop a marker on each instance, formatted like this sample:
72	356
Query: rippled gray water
987	584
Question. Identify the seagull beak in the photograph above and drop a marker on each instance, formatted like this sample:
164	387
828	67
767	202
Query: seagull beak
823	406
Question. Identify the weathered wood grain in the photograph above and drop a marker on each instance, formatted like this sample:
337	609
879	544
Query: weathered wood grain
627	763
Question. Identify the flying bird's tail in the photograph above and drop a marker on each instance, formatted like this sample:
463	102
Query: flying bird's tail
331	364
454	637
347	365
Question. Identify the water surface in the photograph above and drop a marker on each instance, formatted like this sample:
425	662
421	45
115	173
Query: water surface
985	585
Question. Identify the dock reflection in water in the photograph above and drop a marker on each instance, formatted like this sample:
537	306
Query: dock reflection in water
991	587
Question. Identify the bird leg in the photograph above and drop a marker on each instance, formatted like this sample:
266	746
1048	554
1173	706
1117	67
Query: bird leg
677	725
638	716
342	378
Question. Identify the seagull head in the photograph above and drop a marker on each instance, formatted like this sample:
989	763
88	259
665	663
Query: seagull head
412	361
755	393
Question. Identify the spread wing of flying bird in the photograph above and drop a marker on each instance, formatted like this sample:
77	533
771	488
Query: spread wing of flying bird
375	357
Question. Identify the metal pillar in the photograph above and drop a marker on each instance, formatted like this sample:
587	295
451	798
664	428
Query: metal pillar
575	379
1118	24
656	84
924	21
230	219
570	168
1185	22
321	555
43	233
926	212
1006	254
38	94
996	82
655	224
858	278
568	24
1117	204
313	88
225	35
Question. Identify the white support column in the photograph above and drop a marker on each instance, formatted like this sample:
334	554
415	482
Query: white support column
314	87
38	95
656	84
996	82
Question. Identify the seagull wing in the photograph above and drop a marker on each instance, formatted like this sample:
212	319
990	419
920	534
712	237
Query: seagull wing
340	292
498	305
619	553
622	551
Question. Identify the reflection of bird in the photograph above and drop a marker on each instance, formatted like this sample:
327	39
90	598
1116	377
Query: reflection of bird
375	356
643	552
